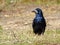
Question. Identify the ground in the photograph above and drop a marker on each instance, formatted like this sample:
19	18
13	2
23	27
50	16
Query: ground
16	25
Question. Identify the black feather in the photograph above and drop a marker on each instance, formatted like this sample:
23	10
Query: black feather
39	23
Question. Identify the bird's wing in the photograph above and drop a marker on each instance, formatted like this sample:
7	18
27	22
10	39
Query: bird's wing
33	24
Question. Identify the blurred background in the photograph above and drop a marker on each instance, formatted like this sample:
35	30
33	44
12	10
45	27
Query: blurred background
16	22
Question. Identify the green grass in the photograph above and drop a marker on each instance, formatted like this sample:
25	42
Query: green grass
41	2
1	29
27	37
8	4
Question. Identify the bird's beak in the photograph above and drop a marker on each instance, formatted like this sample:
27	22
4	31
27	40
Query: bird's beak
34	11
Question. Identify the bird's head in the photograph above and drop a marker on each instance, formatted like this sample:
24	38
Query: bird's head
37	11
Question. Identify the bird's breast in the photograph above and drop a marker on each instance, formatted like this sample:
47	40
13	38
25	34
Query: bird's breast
38	19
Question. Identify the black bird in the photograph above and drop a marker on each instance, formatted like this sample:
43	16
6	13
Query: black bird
39	23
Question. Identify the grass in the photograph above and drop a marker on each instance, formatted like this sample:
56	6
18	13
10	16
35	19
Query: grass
1	29
27	37
12	2
7	4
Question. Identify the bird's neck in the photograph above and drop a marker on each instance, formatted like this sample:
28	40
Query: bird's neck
39	15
